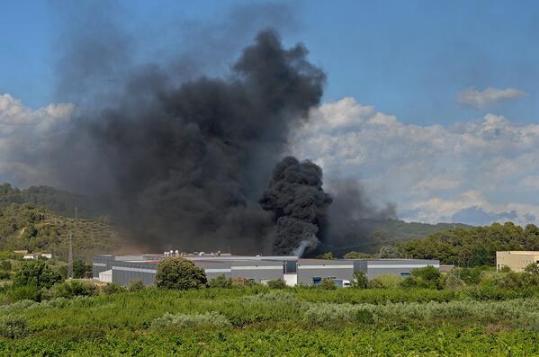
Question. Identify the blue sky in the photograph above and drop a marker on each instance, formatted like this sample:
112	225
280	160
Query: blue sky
408	57
431	105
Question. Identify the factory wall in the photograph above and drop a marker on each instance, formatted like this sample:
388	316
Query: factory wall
100	264
125	272
313	271
398	267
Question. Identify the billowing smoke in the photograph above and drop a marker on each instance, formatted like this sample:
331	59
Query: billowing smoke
353	218
299	205
184	165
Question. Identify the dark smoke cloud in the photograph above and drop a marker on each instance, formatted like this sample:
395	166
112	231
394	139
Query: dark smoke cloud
353	216
299	205
183	165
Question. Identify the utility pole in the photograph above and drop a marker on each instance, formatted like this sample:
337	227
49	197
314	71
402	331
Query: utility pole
70	253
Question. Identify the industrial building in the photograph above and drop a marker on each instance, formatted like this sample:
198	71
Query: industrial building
261	269
516	260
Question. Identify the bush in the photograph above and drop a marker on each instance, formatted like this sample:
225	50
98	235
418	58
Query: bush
360	280
427	277
4	275
452	280
136	285
277	284
81	270
13	327
36	273
5	265
385	282
220	282
209	319
328	284
25	292
110	289
71	288
179	273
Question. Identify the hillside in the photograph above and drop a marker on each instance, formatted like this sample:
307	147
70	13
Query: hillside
388	232
60	202
25	226
472	246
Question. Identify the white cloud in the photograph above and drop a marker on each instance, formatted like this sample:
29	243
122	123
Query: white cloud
479	99
24	131
431	172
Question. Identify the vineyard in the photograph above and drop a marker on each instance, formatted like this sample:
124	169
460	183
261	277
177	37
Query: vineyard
262	321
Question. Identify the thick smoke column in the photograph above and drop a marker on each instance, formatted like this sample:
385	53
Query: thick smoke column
184	165
299	205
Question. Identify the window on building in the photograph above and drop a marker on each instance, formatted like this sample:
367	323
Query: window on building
405	274
317	280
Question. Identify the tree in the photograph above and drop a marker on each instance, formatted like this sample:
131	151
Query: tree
389	251
81	269
532	268
360	280
427	277
36	273
179	273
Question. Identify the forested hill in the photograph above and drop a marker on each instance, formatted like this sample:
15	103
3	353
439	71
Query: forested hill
40	219
60	202
37	229
472	246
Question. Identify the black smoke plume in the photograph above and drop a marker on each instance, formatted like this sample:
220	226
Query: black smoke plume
299	205
183	165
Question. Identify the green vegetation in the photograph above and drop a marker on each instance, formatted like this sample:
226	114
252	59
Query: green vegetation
37	229
260	321
487	312
475	246
179	273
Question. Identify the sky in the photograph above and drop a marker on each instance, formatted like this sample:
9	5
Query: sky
430	105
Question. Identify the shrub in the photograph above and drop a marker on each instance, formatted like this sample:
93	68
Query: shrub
360	280
220	281
25	292
36	273
209	319
277	284
328	284
136	285
385	282
71	288
4	275
5	265
427	277
81	270
452	281
13	327
110	289
179	273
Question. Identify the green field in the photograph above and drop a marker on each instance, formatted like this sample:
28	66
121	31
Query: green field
292	322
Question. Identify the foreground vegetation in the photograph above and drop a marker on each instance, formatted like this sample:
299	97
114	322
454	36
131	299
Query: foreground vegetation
260	321
466	312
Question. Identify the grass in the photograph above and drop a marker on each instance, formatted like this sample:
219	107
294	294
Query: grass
259	321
